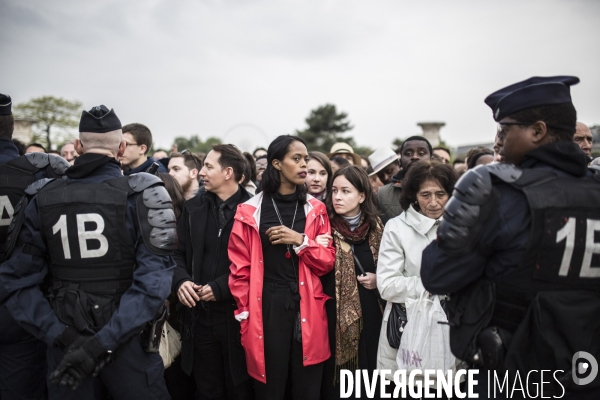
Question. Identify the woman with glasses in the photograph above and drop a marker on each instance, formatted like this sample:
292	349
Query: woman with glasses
275	269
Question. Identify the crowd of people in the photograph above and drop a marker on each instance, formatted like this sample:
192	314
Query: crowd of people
277	270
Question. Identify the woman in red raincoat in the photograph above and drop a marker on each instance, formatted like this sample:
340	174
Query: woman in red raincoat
274	279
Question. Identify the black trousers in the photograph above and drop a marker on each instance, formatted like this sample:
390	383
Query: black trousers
212	369
133	374
283	353
22	362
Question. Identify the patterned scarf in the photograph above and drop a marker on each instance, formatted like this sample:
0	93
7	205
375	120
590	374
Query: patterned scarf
348	310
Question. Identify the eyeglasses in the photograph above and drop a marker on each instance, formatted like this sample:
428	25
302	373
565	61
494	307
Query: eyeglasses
130	144
187	154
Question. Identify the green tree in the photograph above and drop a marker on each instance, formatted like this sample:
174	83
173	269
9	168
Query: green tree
195	144
51	113
325	127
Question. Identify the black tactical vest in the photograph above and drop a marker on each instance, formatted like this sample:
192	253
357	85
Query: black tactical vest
551	303
86	234
15	176
563	253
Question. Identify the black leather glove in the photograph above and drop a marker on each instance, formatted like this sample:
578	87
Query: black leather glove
69	338
80	362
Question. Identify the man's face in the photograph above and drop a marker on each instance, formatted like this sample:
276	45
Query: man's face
133	151
583	137
442	156
514	141
413	151
347	156
385	175
181	173
212	174
68	152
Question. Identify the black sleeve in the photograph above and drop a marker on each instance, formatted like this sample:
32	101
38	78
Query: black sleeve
181	273
220	287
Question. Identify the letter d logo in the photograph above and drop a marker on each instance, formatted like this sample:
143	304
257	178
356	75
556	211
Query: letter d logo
583	367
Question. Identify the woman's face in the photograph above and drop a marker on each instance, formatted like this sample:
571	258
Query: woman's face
345	197
432	198
292	169
316	180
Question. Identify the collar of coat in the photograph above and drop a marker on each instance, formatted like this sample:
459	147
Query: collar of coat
417	221
249	212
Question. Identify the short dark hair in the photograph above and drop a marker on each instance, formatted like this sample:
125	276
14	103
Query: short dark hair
422	171
324	161
561	119
474	154
277	150
141	134
250	172
231	157
447	150
36	145
7	126
414	138
358	178
190	160
257	149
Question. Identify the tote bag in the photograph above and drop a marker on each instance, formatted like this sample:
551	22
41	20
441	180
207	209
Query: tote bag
425	343
170	345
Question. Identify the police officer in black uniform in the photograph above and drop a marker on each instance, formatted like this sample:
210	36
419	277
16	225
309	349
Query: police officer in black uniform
518	249
89	267
22	356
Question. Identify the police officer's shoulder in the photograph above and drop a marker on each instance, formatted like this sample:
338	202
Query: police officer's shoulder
142	180
38	160
155	213
36	186
58	164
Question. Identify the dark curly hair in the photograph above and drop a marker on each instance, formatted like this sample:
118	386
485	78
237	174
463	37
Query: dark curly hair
422	171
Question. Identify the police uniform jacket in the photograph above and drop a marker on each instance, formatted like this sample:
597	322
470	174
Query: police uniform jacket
22	275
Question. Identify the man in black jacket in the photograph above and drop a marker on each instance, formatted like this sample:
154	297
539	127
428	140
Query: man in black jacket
211	344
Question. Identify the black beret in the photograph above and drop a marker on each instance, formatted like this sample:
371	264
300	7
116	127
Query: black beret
99	120
533	92
5	104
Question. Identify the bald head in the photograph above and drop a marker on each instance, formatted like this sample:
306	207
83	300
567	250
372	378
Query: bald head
583	137
109	142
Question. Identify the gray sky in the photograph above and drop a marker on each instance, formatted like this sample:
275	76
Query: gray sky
247	71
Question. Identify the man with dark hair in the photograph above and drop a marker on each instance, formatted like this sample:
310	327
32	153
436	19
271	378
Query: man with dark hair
517	249
211	347
89	267
441	154
35	148
186	168
413	149
138	139
22	356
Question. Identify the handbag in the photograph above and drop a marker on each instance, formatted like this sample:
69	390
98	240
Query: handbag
395	326
170	345
425	343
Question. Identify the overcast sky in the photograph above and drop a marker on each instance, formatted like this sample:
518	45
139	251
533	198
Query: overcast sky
247	71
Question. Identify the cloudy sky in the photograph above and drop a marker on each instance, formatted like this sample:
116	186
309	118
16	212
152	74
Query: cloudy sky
249	70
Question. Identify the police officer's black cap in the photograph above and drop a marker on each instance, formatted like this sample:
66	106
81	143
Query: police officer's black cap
533	92
5	104
99	120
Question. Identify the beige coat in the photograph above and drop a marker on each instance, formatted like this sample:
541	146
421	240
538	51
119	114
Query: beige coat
399	270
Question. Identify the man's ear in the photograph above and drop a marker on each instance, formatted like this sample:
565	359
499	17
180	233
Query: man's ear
143	149
122	148
540	132
78	146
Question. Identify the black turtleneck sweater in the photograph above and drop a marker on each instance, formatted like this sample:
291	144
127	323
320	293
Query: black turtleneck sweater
277	266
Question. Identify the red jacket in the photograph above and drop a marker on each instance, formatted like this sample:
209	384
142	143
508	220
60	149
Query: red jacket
246	283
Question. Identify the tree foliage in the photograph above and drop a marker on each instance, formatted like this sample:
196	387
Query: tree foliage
195	144
51	113
325	127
